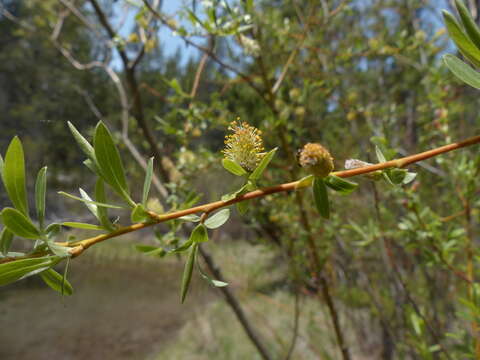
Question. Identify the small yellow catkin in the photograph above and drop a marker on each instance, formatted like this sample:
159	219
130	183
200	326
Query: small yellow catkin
244	146
316	160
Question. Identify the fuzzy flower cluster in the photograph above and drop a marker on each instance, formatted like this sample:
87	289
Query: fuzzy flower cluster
244	146
316	159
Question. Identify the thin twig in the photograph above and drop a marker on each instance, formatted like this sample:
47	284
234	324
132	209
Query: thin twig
79	246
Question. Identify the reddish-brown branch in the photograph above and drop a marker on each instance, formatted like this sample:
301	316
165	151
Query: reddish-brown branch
79	246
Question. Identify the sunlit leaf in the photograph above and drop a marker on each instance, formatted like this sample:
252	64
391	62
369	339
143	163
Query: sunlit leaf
40	191
464	44
263	165
148	182
79	225
14	175
307	181
462	71
233	167
19	224
218	219
19	269
99	204
468	22
109	161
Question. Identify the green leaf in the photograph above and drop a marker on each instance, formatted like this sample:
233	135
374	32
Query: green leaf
242	207
110	163
102	211
307	181
213	282
380	156
59	250
150	250
233	167
20	269
199	234
468	22
234	194
409	177
217	219
187	272
341	185
148	182
185	246
40	191
82	142
79	225
321	197
6	238
396	176
263	165
99	204
19	224
464	44
462	71
14	175
139	214
56	282
2	165
90	203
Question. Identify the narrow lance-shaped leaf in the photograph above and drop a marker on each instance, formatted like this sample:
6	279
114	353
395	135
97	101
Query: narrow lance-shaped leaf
90	203
82	142
462	71
148	182
233	167
56	282
100	196
341	185
99	204
381	158
40	191
2	165
187	272
464	44
321	197
110	163
14	175
19	269
19	224
263	165
217	219
213	282
79	225
468	22
6	238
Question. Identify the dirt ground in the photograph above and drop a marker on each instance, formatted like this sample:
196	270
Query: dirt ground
120	310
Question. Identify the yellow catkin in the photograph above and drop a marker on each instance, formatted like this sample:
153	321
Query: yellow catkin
316	160
244	146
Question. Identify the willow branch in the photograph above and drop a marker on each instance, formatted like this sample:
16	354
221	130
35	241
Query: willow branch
79	246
